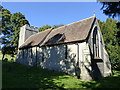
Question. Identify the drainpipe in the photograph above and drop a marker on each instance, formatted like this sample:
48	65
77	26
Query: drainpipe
78	63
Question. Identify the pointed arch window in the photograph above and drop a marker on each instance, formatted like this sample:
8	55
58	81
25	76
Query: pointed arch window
95	42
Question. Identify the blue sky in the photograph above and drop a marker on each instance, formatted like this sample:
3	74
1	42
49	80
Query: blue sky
55	13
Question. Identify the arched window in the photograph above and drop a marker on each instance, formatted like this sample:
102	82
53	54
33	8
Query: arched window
95	42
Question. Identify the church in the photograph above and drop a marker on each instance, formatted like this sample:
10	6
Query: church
76	49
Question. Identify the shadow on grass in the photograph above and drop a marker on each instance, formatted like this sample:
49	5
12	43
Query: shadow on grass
108	82
20	76
105	82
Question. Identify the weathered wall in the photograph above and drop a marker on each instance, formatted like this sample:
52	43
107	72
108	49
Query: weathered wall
73	59
100	59
53	58
27	56
77	62
85	62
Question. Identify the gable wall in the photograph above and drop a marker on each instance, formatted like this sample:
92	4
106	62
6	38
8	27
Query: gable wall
105	63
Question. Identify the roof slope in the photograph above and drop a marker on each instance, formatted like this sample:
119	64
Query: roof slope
69	33
35	39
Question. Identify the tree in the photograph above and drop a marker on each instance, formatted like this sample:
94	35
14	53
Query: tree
111	9
10	27
6	27
17	21
112	36
109	30
43	28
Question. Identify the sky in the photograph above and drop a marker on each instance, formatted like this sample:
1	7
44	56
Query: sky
54	13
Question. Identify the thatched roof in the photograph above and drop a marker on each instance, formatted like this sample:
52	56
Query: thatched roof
77	31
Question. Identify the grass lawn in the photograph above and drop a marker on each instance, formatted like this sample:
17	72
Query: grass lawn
20	76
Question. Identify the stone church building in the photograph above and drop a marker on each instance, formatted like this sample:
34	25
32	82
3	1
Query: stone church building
76	49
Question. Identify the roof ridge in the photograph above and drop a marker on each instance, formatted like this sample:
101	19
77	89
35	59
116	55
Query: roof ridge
80	20
74	23
62	26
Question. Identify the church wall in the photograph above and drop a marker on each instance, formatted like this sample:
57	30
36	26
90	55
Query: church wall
85	62
76	61
19	58
27	56
53	58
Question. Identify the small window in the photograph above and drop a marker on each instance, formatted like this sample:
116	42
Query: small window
66	51
43	57
31	53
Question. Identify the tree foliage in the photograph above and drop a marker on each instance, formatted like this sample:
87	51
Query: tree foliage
111	9
109	31
11	24
6	27
43	28
10	27
17	21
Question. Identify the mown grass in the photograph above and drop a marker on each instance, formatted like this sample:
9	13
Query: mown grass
20	76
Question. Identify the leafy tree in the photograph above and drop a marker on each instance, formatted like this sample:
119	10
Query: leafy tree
10	28
111	9
6	27
109	30
43	28
17	21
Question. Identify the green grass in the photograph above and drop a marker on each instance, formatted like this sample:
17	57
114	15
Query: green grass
20	76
